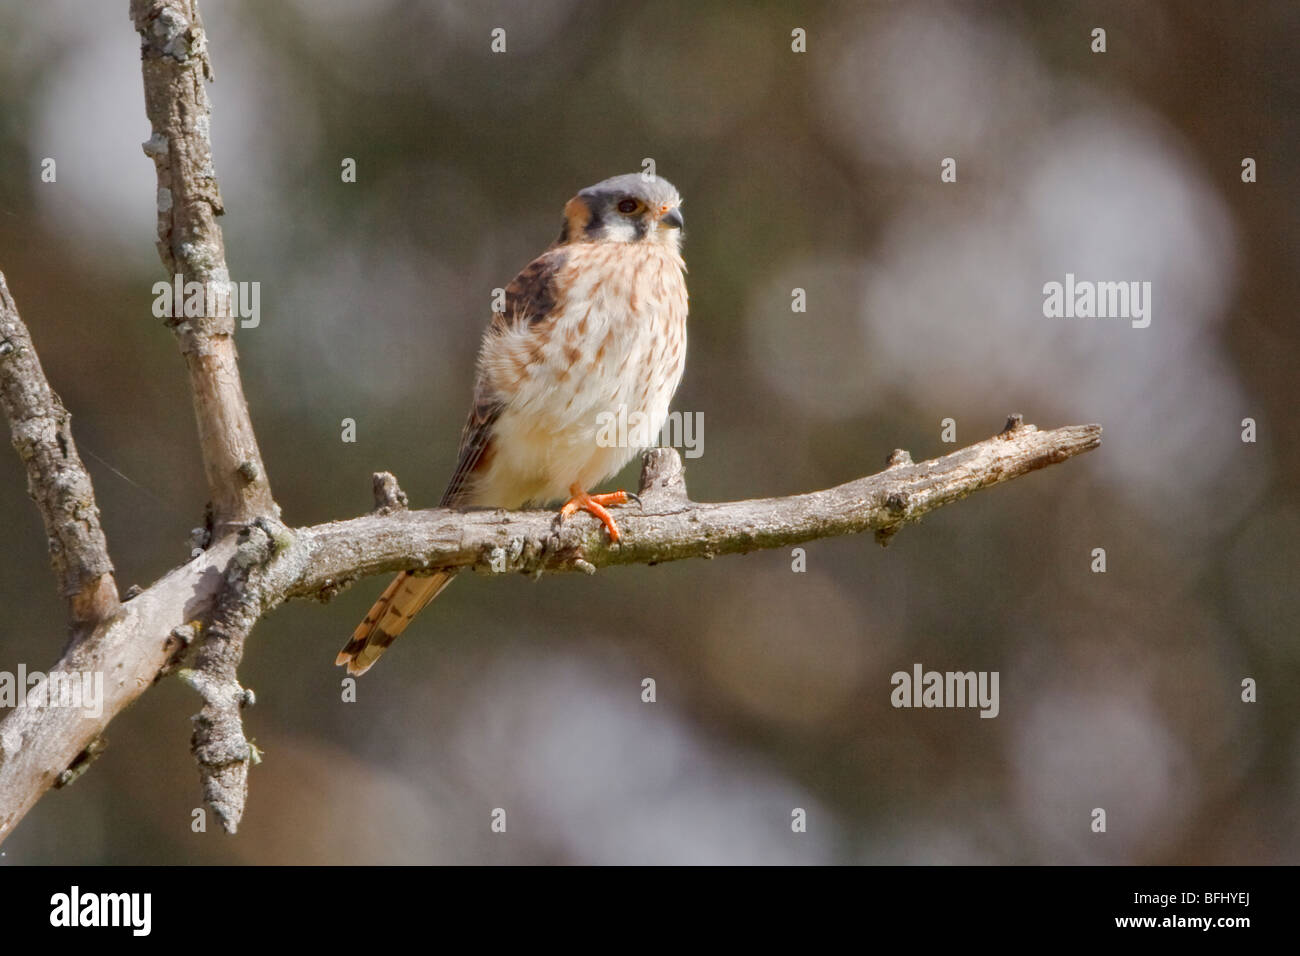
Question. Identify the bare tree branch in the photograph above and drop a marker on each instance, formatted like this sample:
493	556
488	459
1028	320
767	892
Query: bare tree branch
235	582
669	526
175	64
56	478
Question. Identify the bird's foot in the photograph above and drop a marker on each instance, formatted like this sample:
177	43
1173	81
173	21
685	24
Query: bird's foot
595	505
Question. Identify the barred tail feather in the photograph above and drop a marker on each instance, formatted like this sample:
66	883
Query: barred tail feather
400	602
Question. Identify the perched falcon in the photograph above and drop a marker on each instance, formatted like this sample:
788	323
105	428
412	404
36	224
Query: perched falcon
593	326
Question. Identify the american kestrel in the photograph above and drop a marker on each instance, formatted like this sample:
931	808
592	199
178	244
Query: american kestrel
595	326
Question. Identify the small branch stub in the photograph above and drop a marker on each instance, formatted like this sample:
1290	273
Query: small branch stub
662	474
389	496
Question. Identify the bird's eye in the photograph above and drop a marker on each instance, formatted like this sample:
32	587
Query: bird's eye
628	206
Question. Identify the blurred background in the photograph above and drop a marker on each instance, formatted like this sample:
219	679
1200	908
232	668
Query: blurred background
817	170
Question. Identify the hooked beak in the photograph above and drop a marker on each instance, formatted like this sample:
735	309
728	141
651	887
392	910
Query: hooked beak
672	218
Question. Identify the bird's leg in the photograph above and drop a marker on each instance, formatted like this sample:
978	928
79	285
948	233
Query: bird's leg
595	505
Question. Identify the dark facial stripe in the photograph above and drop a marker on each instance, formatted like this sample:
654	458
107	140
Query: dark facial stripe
601	208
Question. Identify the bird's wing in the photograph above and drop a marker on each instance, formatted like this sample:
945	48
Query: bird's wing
529	300
475	445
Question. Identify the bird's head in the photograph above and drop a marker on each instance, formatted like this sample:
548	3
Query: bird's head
630	208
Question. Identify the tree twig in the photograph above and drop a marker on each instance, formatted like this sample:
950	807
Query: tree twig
56	479
223	753
175	64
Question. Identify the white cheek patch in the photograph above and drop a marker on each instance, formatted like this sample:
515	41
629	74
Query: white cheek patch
620	230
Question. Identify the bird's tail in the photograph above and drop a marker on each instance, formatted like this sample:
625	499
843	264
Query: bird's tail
400	602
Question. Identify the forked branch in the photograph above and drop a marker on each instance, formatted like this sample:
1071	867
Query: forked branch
240	579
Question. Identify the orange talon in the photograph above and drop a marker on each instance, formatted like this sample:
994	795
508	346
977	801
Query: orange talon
595	505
